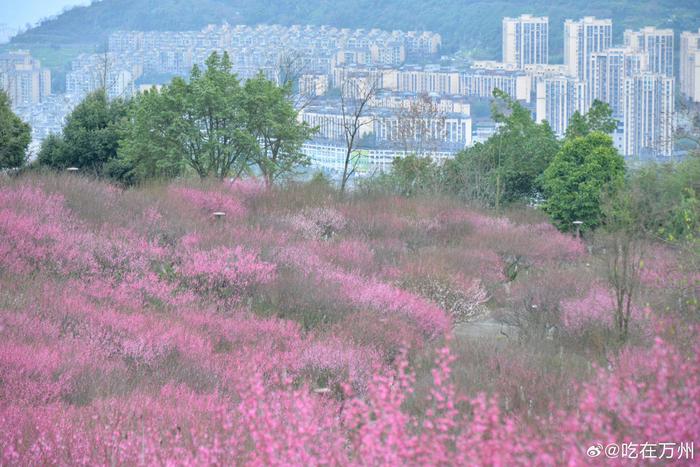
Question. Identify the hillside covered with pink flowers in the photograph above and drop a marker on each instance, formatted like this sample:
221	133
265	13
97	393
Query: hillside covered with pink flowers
137	328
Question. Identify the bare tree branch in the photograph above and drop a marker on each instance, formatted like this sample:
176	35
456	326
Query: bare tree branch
354	98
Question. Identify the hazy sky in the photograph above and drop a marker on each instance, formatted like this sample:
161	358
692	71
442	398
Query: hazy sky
17	13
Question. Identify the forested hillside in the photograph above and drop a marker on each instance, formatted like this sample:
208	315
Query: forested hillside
472	25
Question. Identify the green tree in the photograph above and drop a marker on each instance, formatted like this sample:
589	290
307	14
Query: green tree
148	146
211	128
214	126
409	176
577	178
272	120
509	165
15	136
666	198
90	137
598	118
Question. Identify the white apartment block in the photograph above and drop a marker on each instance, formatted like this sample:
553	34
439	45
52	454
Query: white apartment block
481	83
450	130
648	115
657	43
557	100
407	100
314	50
428	80
91	72
690	65
525	40
23	78
330	155
313	85
609	69
583	38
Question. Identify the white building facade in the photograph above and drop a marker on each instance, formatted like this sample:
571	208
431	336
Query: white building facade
648	115
557	100
526	40
657	44
583	38
609	69
690	65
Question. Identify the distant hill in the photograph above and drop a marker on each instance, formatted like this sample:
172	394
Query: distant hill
471	25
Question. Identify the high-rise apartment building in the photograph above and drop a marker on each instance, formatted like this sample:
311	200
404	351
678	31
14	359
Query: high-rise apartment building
690	65
558	97
657	43
609	69
583	38
648	115
110	72
525	40
23	78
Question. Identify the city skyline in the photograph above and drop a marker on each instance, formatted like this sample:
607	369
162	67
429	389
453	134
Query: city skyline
593	68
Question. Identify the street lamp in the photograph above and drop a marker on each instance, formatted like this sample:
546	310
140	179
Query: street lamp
578	225
72	169
218	215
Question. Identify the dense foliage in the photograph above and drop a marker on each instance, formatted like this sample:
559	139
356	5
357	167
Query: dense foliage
90	137
209	124
598	118
666	199
473	25
14	136
509	165
580	174
506	168
136	328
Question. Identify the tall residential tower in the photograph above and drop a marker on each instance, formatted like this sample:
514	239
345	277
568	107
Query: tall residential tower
583	38
690	65
648	115
657	43
23	78
525	40
609	69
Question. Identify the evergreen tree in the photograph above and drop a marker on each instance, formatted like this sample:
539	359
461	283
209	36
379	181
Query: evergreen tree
15	136
581	173
90	137
598	118
272	120
509	165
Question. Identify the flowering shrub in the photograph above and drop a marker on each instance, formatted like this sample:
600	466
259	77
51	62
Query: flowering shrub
134	330
212	201
317	223
225	272
597	306
460	304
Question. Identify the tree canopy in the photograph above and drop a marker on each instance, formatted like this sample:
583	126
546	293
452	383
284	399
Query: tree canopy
272	120
508	166
90	137
214	126
598	118
15	136
578	177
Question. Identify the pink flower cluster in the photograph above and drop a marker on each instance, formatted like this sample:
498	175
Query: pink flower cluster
209	201
225	271
177	340
655	398
317	223
597	306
